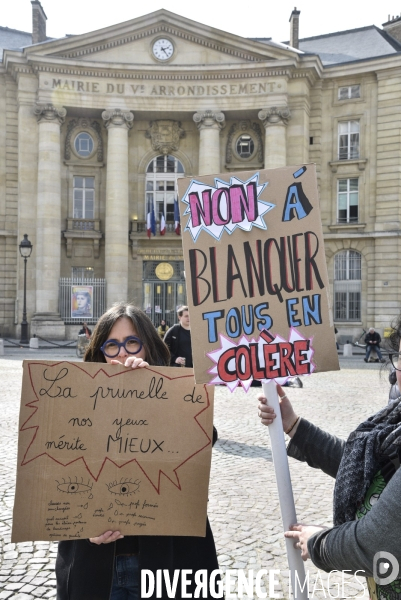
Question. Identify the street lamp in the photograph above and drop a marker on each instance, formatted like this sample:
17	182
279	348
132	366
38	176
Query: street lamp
25	249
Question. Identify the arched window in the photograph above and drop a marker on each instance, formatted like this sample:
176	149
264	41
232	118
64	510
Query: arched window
161	186
347	286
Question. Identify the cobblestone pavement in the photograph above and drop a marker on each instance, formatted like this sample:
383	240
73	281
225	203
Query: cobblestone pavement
243	501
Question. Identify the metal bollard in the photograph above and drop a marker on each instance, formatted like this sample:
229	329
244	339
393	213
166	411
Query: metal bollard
347	350
1	347
34	343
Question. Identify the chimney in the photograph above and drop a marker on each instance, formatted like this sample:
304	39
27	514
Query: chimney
38	22
393	27
294	28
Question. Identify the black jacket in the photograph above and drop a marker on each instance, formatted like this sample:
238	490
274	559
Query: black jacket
84	571
373	337
179	344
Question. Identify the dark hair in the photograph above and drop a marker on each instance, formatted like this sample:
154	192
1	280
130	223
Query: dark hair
181	310
395	335
156	350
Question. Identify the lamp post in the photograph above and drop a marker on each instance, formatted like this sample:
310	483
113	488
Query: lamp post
25	249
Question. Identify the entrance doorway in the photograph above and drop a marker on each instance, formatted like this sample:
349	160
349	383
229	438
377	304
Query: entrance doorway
163	290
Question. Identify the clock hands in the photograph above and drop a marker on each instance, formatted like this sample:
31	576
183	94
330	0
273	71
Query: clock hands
159	49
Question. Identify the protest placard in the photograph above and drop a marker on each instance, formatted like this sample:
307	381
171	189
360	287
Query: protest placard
258	290
102	447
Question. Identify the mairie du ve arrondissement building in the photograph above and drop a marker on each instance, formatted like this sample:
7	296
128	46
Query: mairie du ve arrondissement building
96	128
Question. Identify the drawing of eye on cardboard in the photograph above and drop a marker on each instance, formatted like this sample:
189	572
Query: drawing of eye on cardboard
74	487
103	447
124	487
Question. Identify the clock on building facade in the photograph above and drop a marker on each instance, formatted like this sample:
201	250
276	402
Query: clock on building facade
163	49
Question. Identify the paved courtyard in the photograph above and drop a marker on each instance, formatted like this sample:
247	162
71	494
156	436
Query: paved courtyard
243	501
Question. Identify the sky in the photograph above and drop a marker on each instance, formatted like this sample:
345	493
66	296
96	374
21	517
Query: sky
254	18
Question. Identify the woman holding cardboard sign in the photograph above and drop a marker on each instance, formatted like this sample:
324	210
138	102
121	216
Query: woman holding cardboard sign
109	566
367	531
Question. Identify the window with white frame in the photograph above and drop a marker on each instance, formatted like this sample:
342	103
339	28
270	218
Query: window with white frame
349	92
245	146
83	144
84	197
347	200
161	186
348	140
347	286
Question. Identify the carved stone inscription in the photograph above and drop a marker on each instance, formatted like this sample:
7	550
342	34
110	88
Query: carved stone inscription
261	87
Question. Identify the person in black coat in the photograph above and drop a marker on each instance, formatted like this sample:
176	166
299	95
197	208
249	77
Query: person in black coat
372	341
108	567
178	340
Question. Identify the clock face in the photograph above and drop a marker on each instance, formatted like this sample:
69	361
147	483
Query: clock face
162	49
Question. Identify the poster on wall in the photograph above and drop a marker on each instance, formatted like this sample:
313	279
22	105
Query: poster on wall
257	284
82	301
104	447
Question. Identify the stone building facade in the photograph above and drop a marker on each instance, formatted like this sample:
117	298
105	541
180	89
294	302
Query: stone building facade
95	129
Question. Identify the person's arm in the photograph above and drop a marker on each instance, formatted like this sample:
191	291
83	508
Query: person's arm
308	443
319	449
354	544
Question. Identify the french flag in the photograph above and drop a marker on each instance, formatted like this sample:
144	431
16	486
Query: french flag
150	221
162	224
177	226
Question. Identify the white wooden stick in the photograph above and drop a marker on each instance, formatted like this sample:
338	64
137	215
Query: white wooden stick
286	498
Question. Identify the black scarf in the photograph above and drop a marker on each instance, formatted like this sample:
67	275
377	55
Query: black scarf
367	450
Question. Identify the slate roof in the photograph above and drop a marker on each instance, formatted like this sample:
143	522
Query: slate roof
352	45
12	39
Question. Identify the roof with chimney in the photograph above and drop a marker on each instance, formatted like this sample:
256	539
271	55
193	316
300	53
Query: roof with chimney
341	47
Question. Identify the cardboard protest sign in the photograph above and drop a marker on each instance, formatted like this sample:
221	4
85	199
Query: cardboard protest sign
102	447
256	276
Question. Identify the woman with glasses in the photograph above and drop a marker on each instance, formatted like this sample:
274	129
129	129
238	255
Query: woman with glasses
108	566
367	495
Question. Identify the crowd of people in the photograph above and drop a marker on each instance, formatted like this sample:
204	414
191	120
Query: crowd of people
365	467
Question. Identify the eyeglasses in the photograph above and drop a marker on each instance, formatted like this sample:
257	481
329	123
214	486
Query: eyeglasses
395	360
132	345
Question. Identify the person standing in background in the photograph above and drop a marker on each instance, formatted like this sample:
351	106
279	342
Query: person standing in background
178	340
162	329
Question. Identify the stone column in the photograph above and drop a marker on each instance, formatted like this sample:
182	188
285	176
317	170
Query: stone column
47	321
209	123
118	123
275	120
27	196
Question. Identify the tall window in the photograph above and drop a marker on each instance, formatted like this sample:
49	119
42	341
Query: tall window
347	286
84	197
348	140
161	185
347	200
